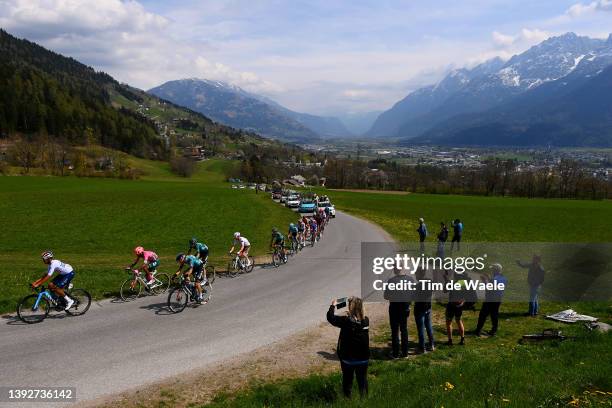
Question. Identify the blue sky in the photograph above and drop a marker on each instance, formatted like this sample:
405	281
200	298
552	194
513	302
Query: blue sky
323	57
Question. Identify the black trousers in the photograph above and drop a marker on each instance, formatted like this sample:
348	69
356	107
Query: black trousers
488	308
398	319
360	372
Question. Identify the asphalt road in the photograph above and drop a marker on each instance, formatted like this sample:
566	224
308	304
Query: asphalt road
118	346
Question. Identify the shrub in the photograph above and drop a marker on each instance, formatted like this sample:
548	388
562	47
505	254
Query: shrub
182	166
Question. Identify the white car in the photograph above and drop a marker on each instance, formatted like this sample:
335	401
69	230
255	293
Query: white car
327	204
293	201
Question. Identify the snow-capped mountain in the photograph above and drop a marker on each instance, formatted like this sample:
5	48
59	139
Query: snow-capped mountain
233	106
491	84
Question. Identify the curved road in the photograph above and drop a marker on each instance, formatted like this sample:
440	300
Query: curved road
118	346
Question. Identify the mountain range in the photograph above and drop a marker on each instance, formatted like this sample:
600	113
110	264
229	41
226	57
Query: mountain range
556	93
233	106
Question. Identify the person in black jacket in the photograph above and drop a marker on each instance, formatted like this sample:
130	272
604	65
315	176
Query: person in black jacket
535	278
399	311
442	238
353	344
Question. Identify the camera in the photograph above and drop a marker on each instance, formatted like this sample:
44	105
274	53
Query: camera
341	302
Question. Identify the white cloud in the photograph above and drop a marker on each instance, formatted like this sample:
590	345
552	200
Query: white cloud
581	9
508	44
119	37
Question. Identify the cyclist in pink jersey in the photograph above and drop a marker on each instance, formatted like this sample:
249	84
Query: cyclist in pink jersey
150	262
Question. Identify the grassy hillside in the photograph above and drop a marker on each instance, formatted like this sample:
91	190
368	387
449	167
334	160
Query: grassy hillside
95	223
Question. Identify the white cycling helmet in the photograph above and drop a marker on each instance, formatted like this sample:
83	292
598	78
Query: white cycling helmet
47	255
236	235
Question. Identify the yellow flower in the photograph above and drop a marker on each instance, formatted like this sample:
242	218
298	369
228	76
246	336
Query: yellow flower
505	400
448	386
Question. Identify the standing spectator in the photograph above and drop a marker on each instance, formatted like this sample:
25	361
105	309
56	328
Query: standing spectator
457	233
492	301
454	310
535	278
422	311
353	344
399	311
422	230
442	238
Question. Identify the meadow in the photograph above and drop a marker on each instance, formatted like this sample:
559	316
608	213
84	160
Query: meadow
94	224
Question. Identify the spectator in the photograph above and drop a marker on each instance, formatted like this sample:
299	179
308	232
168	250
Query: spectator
454	310
457	233
422	311
492	301
535	278
442	238
422	230
353	344
399	311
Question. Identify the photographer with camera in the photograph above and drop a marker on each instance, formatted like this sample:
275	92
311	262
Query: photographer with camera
353	343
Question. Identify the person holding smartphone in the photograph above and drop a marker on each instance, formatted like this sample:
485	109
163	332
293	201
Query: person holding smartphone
353	343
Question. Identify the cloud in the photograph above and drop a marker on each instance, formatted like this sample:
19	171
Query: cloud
581	9
524	39
122	38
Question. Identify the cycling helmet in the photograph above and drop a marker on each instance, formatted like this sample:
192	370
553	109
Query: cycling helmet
292	225
180	256
274	230
236	235
192	242
138	250
47	255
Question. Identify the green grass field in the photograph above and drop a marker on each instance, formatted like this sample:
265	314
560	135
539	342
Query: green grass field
486	219
94	224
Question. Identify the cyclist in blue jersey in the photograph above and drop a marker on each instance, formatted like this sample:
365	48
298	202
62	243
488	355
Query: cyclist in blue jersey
293	233
278	241
196	268
201	250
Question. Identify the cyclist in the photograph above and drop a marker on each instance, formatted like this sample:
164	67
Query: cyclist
292	233
196	268
301	226
278	241
327	214
313	229
320	221
57	285
245	245
201	250
150	262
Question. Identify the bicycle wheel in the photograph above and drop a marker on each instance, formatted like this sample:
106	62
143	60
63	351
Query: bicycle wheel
210	274
130	289
249	268
231	270
206	292
82	301
177	300
27	313
276	261
162	282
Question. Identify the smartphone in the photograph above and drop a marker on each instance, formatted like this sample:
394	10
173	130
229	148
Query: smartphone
341	302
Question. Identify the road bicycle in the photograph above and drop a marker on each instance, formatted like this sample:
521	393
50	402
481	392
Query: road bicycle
278	257
35	308
295	246
132	287
186	292
238	265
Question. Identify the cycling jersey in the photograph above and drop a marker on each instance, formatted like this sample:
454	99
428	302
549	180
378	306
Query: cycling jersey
202	250
278	238
301	227
242	241
293	230
60	267
149	257
192	261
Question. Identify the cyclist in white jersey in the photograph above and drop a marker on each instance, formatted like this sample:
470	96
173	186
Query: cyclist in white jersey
244	244
65	273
